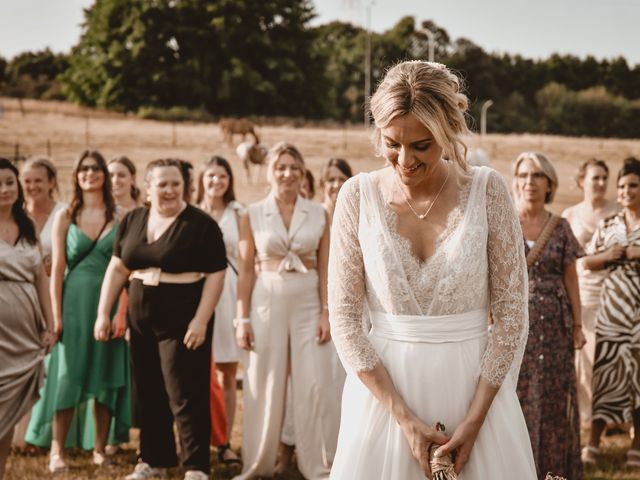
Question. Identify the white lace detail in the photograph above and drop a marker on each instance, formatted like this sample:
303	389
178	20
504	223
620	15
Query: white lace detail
478	258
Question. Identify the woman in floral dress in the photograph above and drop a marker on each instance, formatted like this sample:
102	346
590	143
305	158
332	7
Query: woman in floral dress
547	382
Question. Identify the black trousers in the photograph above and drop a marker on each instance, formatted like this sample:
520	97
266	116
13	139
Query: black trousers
171	383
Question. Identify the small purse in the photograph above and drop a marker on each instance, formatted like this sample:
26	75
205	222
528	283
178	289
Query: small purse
441	467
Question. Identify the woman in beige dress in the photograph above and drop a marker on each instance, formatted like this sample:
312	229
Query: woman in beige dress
282	314
25	312
583	217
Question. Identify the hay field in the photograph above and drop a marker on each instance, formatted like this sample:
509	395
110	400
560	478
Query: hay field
66	130
64	127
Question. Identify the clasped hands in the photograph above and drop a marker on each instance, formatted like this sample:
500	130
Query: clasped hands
421	437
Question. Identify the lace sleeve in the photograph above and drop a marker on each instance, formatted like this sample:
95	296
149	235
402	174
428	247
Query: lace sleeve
508	286
346	283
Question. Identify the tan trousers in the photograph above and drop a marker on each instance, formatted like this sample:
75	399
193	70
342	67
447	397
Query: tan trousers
584	363
285	308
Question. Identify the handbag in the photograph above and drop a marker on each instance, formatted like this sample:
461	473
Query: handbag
542	240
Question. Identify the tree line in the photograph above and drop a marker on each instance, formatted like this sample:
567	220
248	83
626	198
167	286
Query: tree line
263	57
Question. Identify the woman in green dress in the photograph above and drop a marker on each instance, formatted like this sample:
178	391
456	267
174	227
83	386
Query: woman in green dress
81	372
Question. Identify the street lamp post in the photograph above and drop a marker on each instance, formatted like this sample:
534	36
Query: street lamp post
432	44
483	117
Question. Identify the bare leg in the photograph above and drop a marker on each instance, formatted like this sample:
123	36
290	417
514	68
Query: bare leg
102	418
597	427
61	422
228	371
5	448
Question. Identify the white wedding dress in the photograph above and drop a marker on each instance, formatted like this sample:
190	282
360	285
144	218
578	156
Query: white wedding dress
429	328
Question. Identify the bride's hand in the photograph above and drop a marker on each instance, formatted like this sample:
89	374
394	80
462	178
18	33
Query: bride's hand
462	442
420	437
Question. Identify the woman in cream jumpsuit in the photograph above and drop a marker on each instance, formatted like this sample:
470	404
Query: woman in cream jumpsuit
287	237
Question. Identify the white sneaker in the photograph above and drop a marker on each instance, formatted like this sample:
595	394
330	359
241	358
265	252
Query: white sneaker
144	470
195	475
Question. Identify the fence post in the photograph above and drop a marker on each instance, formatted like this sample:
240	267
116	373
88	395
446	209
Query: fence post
21	106
86	132
16	152
48	148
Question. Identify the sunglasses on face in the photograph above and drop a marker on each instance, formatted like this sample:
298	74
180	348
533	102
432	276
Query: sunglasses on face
95	168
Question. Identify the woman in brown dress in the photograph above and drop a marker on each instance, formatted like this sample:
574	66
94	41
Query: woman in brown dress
25	312
547	382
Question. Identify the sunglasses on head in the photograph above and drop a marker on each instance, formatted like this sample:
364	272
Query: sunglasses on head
94	167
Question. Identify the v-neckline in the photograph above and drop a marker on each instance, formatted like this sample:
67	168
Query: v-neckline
103	234
164	233
446	234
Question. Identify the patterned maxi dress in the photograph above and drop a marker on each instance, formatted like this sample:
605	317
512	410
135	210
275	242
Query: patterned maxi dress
547	383
616	372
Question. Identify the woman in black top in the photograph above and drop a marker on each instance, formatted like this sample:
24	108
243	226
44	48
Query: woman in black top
176	259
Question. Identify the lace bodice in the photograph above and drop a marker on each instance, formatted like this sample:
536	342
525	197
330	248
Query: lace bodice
478	264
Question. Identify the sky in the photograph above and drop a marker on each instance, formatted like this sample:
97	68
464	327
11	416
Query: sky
532	28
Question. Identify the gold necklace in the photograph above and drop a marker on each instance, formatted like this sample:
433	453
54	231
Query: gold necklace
433	202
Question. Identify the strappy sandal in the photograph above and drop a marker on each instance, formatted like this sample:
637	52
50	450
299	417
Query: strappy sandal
633	458
222	450
57	464
589	455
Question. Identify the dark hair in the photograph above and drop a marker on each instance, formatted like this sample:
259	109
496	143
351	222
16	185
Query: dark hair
186	167
341	164
592	162
26	228
631	166
311	182
48	166
229	196
77	200
128	164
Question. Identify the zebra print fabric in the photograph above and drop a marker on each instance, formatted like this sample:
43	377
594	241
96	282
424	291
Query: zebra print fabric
616	372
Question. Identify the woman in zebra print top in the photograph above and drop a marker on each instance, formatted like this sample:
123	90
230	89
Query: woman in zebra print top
615	247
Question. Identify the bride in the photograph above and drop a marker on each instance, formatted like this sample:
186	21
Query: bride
433	249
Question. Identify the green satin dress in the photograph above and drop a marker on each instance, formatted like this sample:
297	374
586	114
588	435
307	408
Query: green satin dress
80	370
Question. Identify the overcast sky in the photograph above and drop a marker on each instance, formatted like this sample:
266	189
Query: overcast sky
536	29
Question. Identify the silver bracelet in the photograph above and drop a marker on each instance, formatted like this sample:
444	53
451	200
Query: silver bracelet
241	321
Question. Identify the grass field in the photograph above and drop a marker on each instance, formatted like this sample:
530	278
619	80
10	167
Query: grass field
63	130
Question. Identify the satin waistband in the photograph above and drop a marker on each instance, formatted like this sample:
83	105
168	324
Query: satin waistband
430	329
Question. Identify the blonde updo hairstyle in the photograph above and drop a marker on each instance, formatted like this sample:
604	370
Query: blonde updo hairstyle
277	151
541	161
433	93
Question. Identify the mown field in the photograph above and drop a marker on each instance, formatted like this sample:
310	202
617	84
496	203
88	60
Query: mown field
63	130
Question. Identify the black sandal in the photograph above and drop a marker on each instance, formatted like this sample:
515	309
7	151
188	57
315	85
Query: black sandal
222	449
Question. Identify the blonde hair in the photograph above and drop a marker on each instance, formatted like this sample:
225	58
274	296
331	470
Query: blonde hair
543	163
433	93
277	151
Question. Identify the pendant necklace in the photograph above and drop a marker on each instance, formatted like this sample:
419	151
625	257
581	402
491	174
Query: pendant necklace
433	202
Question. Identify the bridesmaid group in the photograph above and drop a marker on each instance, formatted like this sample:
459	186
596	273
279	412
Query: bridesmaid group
101	278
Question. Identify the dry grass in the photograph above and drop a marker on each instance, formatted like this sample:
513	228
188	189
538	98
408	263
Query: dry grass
64	127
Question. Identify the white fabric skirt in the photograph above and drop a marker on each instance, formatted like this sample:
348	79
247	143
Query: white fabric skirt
225	348
434	364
